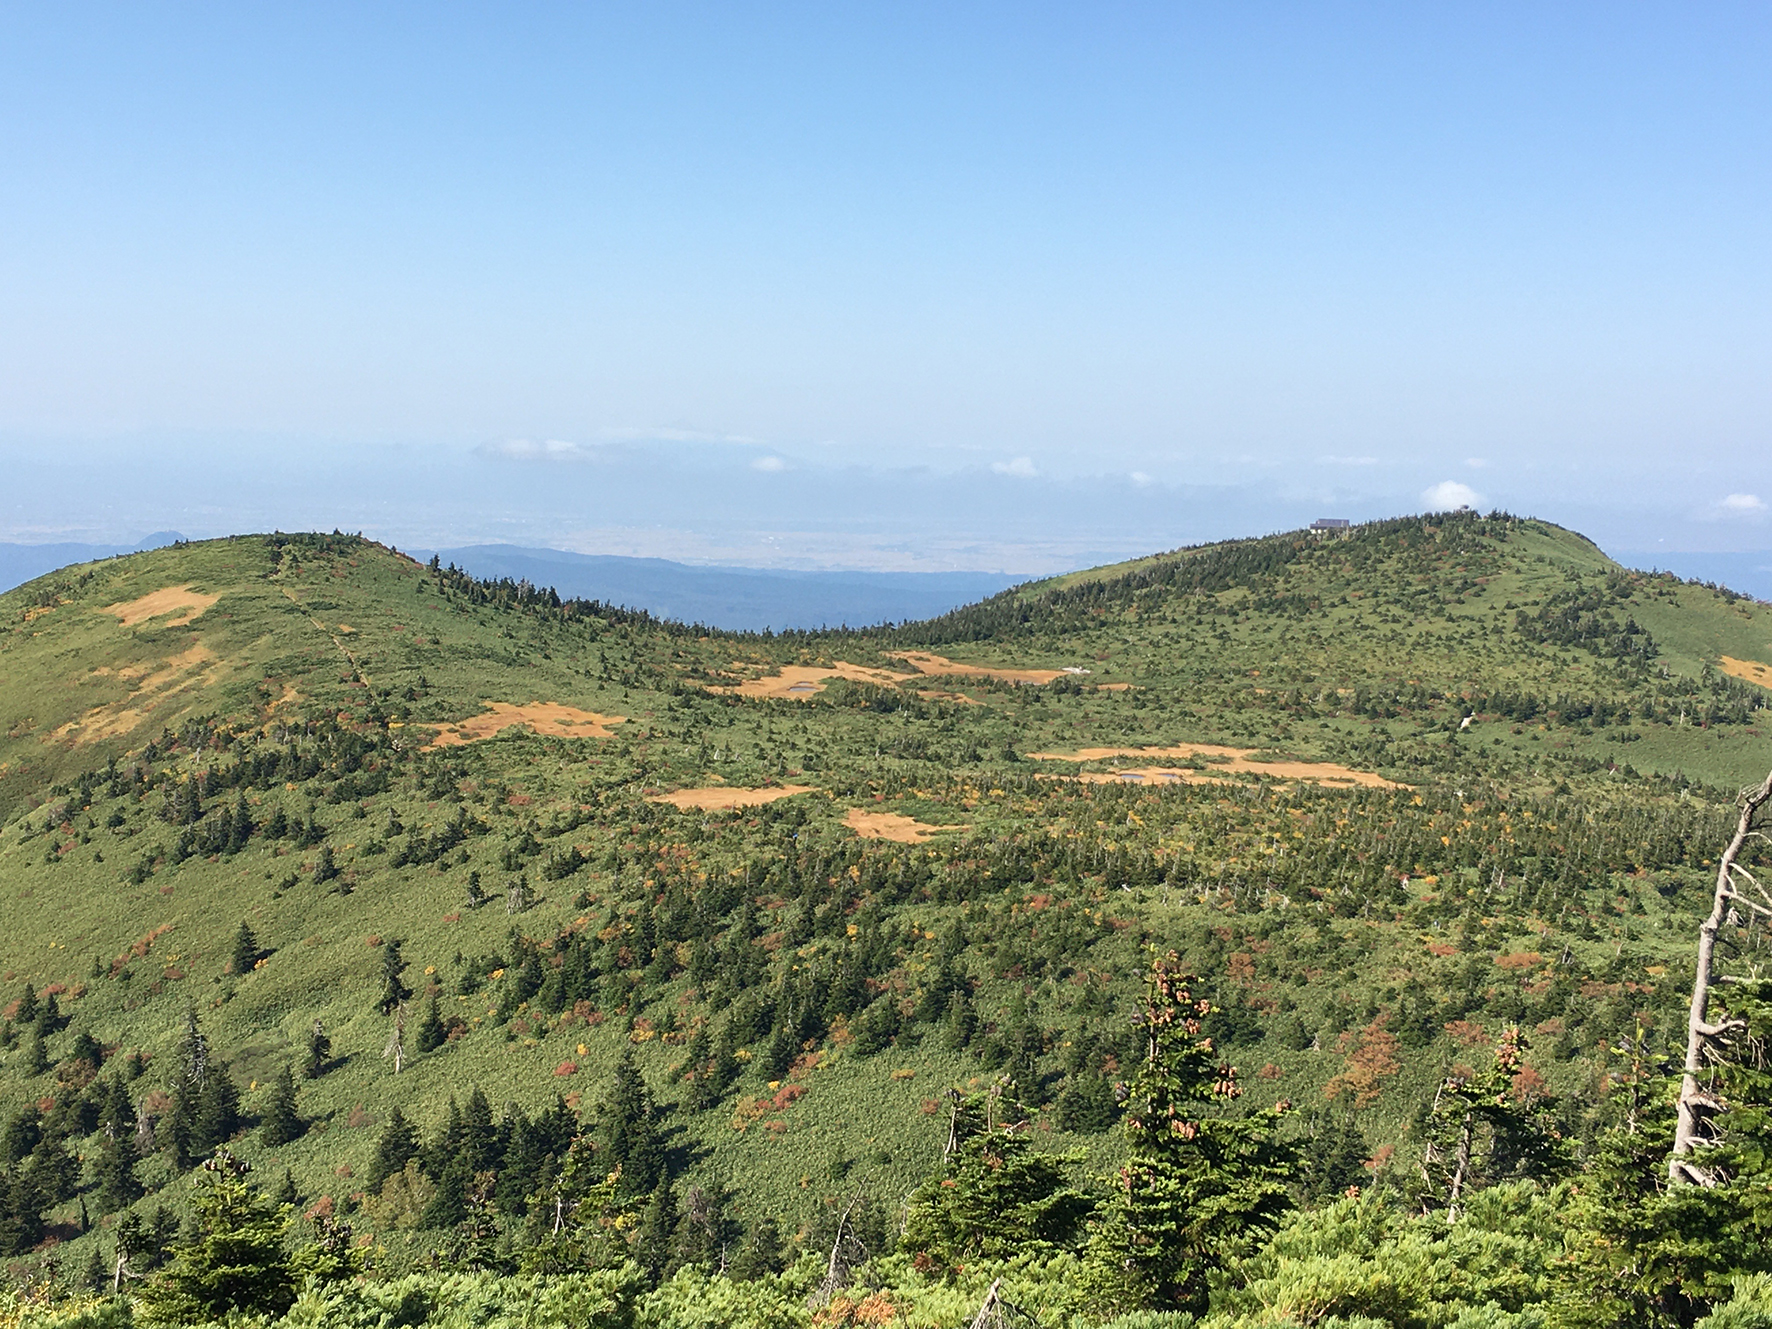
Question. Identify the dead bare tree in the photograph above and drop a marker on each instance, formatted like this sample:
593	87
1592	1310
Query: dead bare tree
846	1252
1698	1108
998	1312
396	1047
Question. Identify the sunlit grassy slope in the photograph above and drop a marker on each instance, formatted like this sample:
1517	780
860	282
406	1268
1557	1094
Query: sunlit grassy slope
1560	738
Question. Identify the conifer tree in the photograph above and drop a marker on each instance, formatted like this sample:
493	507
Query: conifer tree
1479	1132
658	1223
245	951
393	988
319	1054
23	1130
705	1234
479	1134
217	1114
118	1115
398	1144
236	1263
430	1034
36	1054
634	1143
94	1276
282	1122
760	1254
22	1203
26	1012
996	1196
132	1241
1196	1189
117	1184
583	1215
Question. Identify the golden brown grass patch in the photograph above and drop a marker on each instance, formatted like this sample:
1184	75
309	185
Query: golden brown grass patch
891	826
1224	761
1750	671
925	662
156	603
155	686
542	717
718	798
798	682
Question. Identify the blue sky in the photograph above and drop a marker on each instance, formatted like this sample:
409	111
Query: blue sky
846	285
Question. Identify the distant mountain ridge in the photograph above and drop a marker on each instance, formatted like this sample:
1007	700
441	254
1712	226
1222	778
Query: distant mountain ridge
733	599
20	563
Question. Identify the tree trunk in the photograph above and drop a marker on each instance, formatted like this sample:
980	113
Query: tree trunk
1463	1166
1696	1107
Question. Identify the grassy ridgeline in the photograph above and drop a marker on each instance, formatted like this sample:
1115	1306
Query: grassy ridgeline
795	997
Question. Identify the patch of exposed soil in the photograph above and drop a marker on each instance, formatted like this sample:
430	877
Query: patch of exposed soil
1223	761
891	826
924	662
798	682
1750	671
155	686
542	717
719	798
156	603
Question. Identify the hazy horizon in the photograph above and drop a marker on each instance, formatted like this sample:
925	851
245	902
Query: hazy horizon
996	289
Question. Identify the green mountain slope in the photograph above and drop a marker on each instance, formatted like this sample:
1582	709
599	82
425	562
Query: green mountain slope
1398	790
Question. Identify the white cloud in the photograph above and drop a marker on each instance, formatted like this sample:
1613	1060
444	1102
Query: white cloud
1742	505
1022	468
1449	495
1349	461
1476	463
1140	479
769	464
527	449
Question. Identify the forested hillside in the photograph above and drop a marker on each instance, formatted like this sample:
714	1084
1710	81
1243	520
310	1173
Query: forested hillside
1268	932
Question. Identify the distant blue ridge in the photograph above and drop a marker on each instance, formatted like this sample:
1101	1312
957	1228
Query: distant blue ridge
737	599
22	563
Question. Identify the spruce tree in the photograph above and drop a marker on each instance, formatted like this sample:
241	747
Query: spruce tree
319	1054
996	1197
634	1142
94	1277
118	1115
479	1134
397	1145
218	1112
1197	1189
236	1264
245	951
282	1123
761	1253
132	1241
36	1054
22	1203
658	1223
393	987
1479	1132
26	1011
430	1034
117	1184
23	1130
